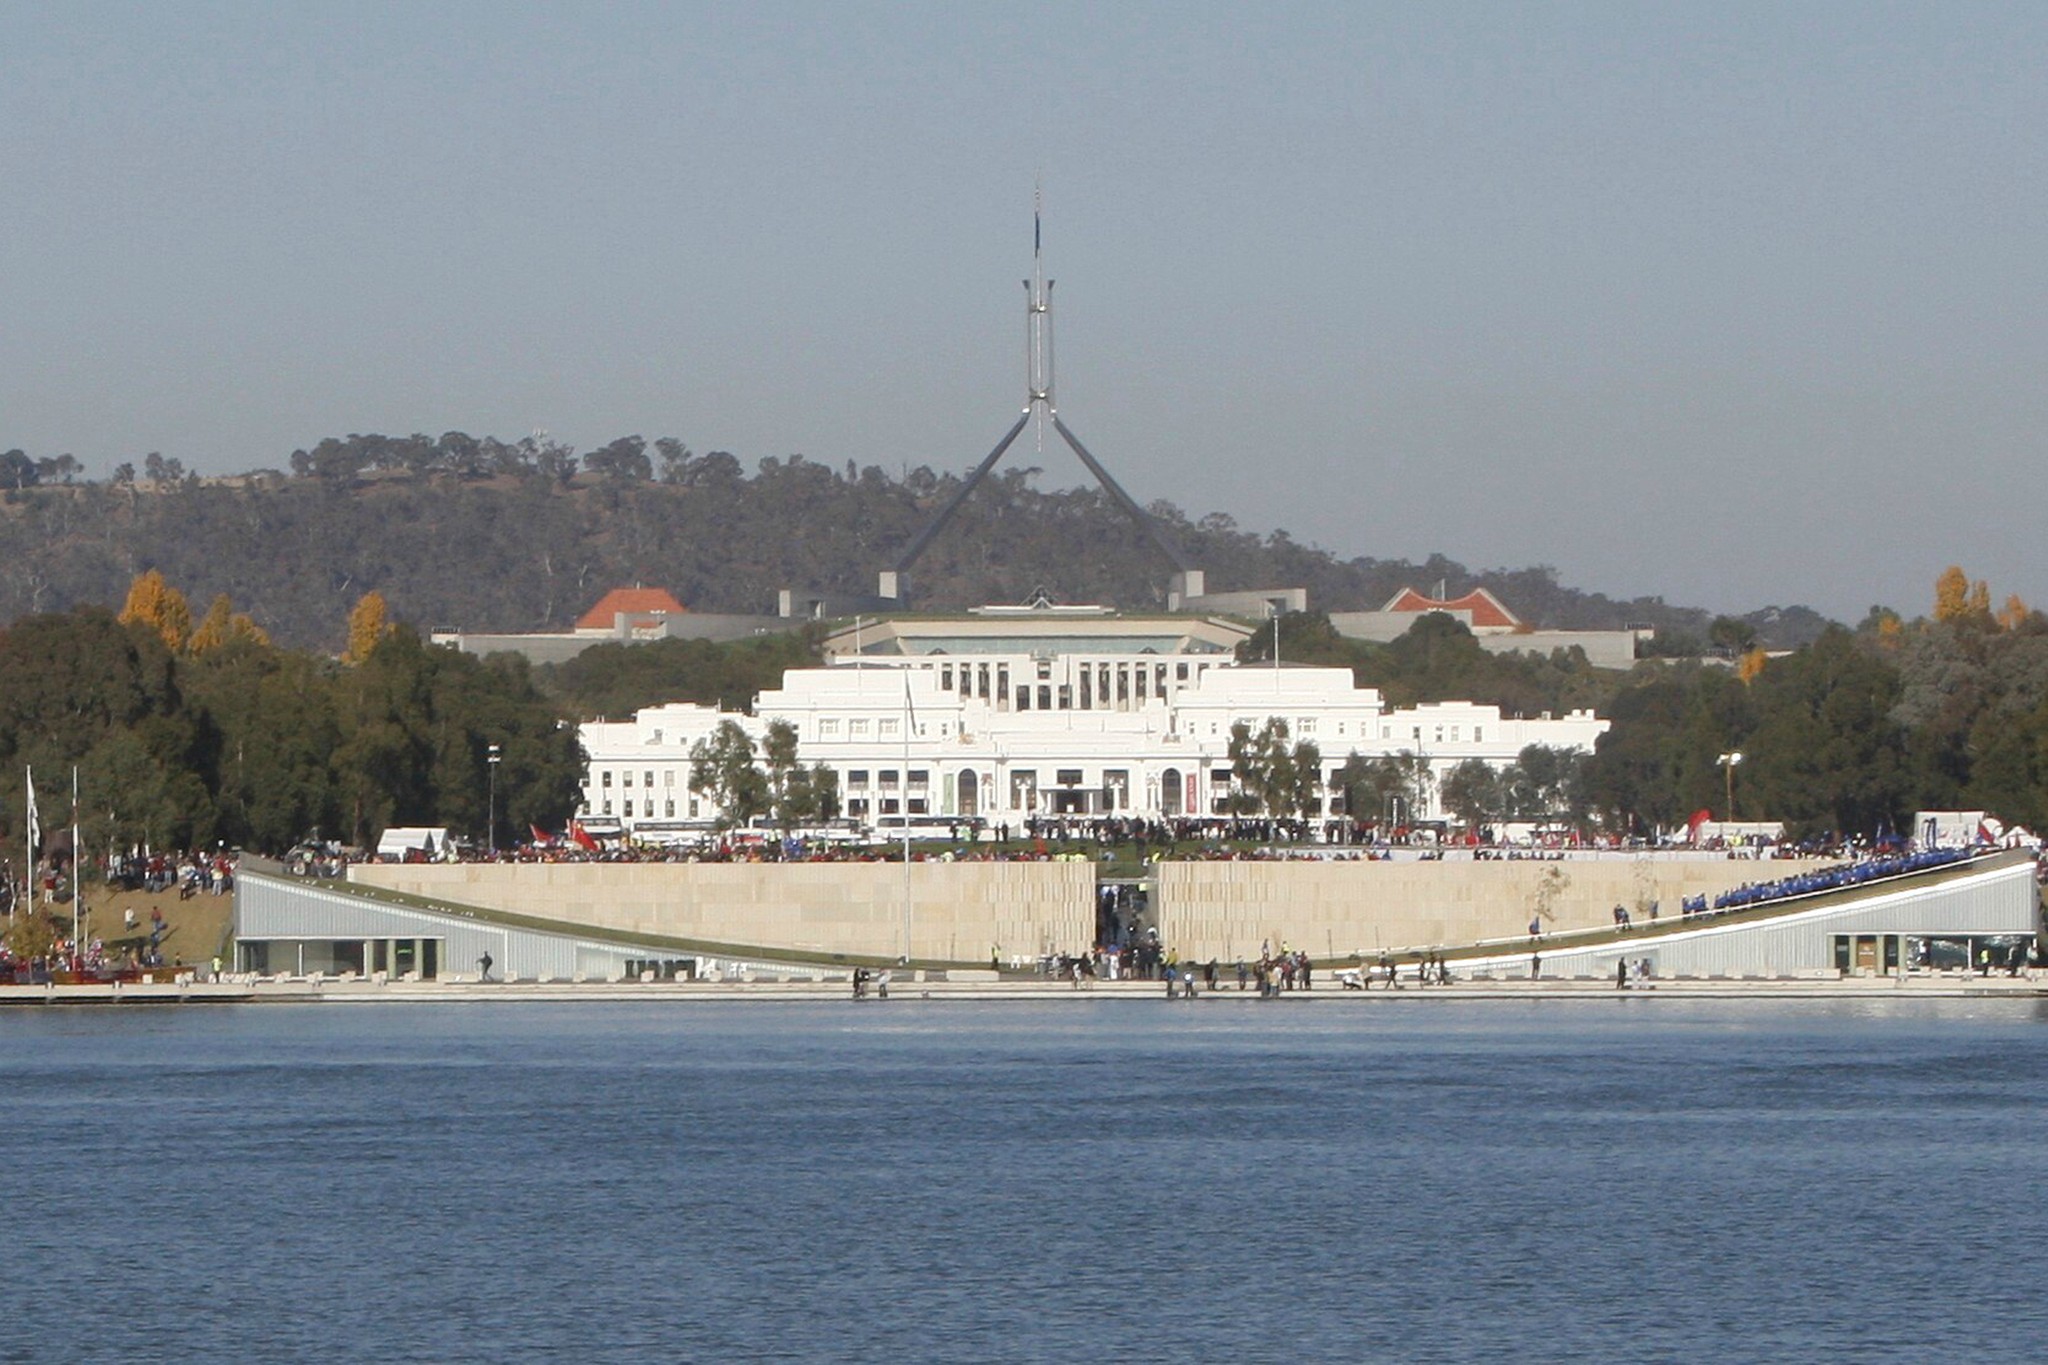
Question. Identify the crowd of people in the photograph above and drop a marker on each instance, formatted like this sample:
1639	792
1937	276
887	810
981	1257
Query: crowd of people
1749	895
1057	838
192	873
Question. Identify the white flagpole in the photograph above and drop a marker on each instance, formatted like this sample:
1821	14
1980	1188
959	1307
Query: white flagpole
909	721
29	776
77	875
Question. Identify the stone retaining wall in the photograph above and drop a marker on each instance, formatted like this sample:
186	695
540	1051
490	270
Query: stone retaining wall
959	911
1226	910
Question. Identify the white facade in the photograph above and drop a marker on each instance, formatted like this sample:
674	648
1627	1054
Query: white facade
1006	736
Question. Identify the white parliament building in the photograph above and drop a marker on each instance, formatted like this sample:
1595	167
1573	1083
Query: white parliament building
1006	714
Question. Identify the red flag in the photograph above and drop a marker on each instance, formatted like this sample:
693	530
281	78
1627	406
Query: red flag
1692	826
577	833
541	836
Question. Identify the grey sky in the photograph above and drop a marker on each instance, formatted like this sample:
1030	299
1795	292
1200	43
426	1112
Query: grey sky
1735	304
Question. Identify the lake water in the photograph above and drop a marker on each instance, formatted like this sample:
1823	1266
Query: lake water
1591	1180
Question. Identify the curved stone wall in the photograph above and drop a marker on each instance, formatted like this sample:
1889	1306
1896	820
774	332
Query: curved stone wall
1226	910
958	911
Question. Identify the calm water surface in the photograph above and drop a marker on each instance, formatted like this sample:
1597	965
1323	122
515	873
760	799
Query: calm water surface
1613	1180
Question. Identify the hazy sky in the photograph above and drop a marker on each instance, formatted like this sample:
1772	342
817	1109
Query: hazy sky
1734	304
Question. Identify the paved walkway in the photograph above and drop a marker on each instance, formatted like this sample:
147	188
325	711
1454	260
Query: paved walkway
1937	986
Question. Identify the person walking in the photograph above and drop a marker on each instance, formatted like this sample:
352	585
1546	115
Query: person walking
484	965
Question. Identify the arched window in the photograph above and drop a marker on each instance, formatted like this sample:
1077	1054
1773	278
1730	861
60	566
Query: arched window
1169	792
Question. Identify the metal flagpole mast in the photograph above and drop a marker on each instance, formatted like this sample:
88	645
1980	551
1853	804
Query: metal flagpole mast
909	721
77	873
1038	398
29	778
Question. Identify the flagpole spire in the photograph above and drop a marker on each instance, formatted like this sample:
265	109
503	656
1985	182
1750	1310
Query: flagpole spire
34	834
909	724
77	876
1041	410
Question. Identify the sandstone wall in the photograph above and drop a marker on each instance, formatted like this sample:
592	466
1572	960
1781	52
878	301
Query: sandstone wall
958	910
1227	909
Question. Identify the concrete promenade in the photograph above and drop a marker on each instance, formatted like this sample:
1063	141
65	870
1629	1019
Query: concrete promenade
1328	993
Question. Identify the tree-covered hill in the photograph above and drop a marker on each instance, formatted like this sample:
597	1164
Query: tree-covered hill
487	535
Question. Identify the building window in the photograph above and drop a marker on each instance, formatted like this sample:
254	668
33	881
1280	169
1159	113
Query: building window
647	779
1180	672
668	810
1305	726
668	778
857	729
605	778
607	808
857	807
888	728
946	677
626	779
1066	697
857	779
1476	735
828	729
1045	696
889	779
628	812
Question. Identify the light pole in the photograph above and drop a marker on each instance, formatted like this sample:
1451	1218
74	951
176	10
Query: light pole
491	757
1727	762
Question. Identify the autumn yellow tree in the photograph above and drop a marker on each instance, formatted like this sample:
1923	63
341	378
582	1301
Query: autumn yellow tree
160	607
2013	612
224	625
1751	664
1951	593
1979	604
366	627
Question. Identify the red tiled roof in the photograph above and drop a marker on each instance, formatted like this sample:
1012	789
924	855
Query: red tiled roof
632	602
1485	607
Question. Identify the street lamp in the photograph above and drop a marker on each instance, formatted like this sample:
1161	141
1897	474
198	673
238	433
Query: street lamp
1727	763
491	758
